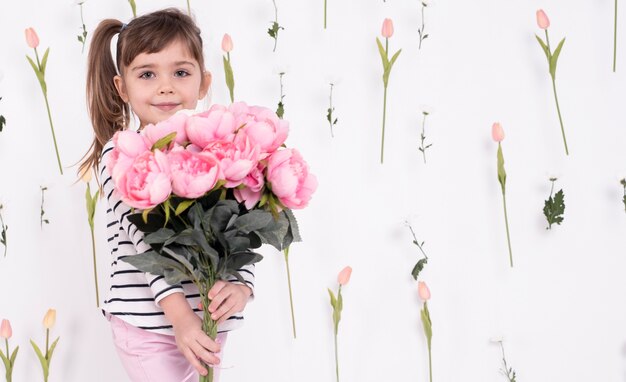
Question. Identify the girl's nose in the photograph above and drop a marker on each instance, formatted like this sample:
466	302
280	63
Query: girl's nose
166	87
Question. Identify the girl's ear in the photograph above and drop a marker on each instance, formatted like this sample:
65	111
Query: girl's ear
121	88
206	83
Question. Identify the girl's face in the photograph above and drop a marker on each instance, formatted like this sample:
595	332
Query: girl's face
157	85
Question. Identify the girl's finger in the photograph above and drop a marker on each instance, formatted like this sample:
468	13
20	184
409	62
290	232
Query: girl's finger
193	360
205	355
210	345
216	288
219	299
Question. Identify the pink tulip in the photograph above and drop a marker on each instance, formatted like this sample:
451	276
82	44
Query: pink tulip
497	133
193	174
227	43
423	291
542	19
32	40
5	329
290	179
387	31
147	182
344	275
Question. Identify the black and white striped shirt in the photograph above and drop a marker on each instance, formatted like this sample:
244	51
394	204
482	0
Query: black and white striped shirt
134	295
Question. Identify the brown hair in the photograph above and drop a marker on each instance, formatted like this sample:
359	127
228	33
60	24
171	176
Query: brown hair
149	33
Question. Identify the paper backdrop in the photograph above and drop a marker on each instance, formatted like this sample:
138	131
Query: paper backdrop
561	308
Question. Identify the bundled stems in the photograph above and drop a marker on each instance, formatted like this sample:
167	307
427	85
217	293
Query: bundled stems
293	316
209	326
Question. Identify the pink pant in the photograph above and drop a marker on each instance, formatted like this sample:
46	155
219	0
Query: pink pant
153	357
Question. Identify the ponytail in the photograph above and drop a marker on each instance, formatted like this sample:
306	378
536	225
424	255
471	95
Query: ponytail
107	111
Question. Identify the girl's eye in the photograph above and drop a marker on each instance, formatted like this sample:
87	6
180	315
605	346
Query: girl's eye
147	75
181	73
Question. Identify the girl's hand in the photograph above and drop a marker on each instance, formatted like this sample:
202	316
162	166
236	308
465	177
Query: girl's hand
227	299
192	342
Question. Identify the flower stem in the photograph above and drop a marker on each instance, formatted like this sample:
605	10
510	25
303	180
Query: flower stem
209	326
615	38
4	232
382	145
325	13
558	109
276	21
9	371
332	134
423	28
188	8
336	358
95	270
293	317
47	340
430	362
506	221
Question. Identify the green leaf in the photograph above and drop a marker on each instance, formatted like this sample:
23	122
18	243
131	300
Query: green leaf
230	78
44	62
333	300
42	359
252	221
280	111
501	171
51	351
383	54
160	236
164	142
428	329
14	355
273	30
5	360
555	57
180	258
554	208
3	122
545	48
394	58
293	232
418	267
182	206
153	262
167	206
33	65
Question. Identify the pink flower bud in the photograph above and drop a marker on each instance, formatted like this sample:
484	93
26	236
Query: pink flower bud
227	43
423	291
50	318
32	40
5	329
344	276
542	19
387	31
497	133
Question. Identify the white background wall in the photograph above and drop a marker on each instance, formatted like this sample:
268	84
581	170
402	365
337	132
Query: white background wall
561	309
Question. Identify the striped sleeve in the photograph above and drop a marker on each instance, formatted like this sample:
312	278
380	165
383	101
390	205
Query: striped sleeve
121	210
247	273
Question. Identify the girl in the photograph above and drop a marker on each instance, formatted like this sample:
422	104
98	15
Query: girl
159	70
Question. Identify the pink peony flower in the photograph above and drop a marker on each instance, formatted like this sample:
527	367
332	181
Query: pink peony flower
5	329
193	174
147	182
387	30
227	43
344	275
32	40
127	146
497	132
262	127
289	177
542	19
236	160
423	291
253	184
215	124
175	123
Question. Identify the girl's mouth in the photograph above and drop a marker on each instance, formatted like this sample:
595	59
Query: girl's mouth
166	106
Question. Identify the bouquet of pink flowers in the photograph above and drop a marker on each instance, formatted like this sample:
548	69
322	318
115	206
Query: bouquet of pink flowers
212	187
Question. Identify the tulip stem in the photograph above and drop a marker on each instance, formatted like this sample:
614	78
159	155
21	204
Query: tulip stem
47	340
506	221
382	145
293	316
615	38
336	357
558	109
430	362
325	13
95	270
188	8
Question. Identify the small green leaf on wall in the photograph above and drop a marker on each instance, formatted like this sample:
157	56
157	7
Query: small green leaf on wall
554	207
